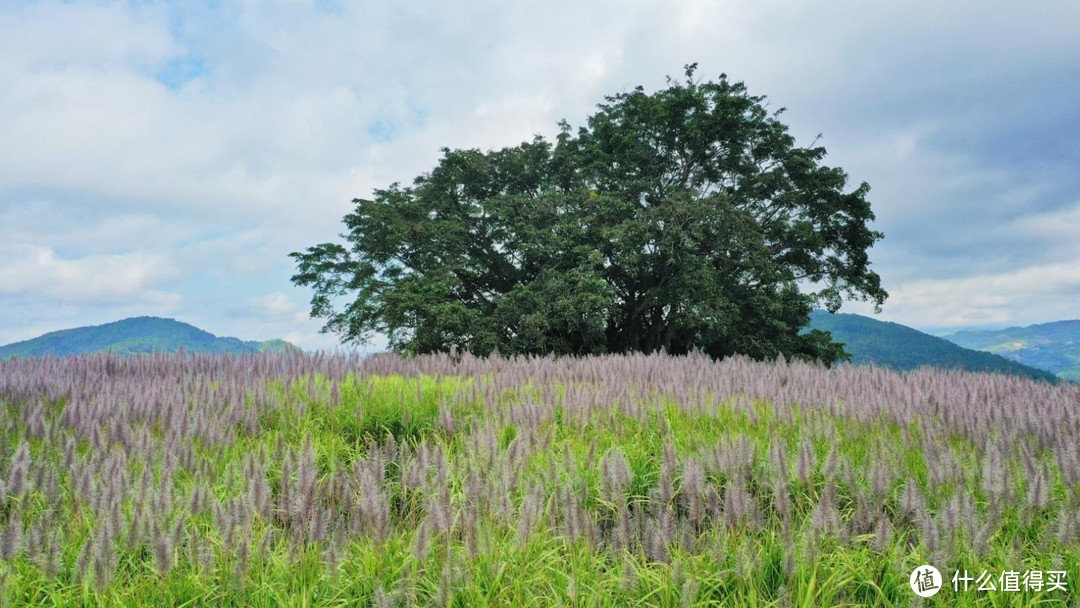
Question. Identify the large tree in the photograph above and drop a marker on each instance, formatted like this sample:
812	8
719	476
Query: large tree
683	220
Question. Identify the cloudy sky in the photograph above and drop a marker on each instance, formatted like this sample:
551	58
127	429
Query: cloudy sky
163	158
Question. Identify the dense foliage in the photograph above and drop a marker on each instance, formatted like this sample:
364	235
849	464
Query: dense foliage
274	480
136	335
903	348
683	220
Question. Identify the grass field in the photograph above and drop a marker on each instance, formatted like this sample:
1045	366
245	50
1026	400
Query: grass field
274	480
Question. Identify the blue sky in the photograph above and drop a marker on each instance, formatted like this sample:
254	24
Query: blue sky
164	158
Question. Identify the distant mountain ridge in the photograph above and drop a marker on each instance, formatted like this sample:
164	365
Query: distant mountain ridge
1054	347
903	348
136	335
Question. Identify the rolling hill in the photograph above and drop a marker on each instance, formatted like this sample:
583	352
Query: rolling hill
903	348
136	335
1054	347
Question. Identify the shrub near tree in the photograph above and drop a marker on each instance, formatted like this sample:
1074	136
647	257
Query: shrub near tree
682	220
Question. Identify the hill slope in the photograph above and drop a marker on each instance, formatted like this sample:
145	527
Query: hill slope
136	335
903	348
1054	347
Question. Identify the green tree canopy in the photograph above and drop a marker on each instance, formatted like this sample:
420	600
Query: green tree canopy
684	220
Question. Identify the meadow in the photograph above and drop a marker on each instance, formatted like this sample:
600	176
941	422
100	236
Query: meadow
450	480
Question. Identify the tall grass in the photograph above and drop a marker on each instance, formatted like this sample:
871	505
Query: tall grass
451	480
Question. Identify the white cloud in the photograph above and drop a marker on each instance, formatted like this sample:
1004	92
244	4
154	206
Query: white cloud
1057	230
1026	296
37	272
277	305
52	36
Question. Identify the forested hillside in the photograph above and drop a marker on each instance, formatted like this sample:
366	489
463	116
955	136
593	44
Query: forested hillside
136	335
1054	347
903	348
